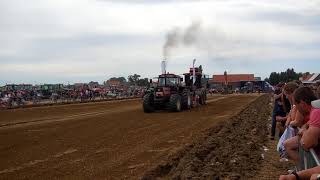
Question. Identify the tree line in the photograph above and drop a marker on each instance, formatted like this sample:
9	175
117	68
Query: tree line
286	76
134	79
274	78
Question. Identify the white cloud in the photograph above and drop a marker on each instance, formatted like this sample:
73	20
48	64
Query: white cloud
35	35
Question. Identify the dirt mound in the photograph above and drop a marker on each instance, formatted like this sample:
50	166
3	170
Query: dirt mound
231	150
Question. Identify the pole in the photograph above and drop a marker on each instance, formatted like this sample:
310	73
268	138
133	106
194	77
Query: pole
194	71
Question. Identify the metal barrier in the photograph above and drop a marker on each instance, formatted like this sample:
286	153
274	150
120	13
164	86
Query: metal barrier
308	159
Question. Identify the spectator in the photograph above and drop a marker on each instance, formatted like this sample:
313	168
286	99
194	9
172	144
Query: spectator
303	97
311	135
276	108
316	103
290	132
305	174
298	82
295	119
288	92
315	176
318	92
281	107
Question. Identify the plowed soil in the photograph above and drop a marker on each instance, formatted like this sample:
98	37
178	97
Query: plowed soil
229	150
116	140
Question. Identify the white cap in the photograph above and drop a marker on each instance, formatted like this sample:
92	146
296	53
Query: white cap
316	103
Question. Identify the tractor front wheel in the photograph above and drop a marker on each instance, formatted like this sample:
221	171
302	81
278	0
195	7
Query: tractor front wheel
175	103
148	103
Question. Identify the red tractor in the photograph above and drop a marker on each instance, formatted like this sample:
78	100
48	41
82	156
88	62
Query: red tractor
172	94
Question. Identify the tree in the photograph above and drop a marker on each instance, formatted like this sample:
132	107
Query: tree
274	78
291	75
143	82
133	79
286	76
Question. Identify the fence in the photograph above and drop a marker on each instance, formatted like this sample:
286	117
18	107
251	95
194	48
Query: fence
308	159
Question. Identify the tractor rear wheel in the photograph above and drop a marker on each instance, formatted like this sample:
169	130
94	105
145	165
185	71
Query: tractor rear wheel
148	103
175	103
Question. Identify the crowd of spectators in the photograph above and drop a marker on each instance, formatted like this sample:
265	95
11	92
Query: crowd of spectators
296	115
16	98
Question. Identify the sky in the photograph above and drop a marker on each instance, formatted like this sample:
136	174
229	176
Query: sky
69	41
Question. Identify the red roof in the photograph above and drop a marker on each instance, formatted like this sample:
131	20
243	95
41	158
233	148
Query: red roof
113	82
306	77
233	78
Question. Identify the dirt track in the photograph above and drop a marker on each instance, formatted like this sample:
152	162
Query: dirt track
232	149
106	140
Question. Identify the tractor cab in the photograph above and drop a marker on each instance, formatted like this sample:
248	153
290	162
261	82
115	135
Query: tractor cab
165	80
